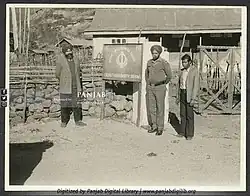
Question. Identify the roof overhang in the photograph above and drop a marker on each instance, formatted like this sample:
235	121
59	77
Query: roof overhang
121	32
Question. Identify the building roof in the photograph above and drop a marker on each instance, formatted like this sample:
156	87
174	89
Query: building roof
164	20
76	42
37	51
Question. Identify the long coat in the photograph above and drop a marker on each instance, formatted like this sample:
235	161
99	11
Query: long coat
64	75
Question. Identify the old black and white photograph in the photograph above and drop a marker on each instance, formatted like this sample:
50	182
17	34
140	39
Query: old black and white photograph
125	96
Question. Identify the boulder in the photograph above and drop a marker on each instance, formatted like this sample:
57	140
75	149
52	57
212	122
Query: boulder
47	91
56	100
109	111
39	116
30	119
57	87
18	100
129	106
89	90
40	94
17	93
122	113
39	100
46	110
19	107
118	105
54	93
12	114
129	97
30	93
85	106
55	115
19	113
129	115
98	111
17	120
119	97
30	101
36	107
47	103
55	108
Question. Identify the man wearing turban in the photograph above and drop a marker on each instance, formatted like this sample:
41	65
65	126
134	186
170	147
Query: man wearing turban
158	74
68	73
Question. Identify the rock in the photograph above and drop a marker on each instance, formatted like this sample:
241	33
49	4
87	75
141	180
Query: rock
92	111
84	88
47	103
121	113
129	115
40	115
85	113
30	93
129	106
18	100
85	106
98	111
19	113
19	107
118	105
55	115
17	119
12	109
119	97
30	101
55	108
89	85
90	98
129	97
30	119
89	90
54	93
39	100
46	110
12	114
17	93
40	94
109	111
107	100
57	87
56	100
36	107
47	91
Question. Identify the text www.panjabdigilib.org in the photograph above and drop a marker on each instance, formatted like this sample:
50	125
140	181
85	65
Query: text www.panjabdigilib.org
169	191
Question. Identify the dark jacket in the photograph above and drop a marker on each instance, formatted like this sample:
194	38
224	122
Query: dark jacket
158	71
64	75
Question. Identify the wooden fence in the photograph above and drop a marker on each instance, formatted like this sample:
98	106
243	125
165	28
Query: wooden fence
92	70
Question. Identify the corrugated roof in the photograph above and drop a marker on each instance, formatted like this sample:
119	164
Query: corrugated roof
77	42
165	19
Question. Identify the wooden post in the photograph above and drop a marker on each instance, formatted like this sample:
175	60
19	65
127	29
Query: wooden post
27	59
200	74
230	84
139	105
103	101
24	29
20	30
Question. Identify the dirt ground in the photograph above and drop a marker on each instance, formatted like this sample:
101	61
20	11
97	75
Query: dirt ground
115	153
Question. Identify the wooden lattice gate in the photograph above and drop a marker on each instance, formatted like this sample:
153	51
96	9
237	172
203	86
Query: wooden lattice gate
220	80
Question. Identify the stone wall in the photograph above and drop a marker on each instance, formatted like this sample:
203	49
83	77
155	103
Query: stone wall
43	103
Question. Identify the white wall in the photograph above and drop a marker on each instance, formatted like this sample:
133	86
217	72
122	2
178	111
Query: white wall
98	44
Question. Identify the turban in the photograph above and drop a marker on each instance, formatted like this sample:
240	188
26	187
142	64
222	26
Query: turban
157	48
66	46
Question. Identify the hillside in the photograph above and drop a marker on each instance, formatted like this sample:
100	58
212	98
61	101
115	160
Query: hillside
49	25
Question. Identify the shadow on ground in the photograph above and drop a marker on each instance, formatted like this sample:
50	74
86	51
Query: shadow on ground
24	157
174	121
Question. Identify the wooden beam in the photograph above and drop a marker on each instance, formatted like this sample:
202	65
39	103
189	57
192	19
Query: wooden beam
230	82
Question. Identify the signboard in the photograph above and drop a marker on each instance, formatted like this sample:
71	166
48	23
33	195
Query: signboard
122	62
